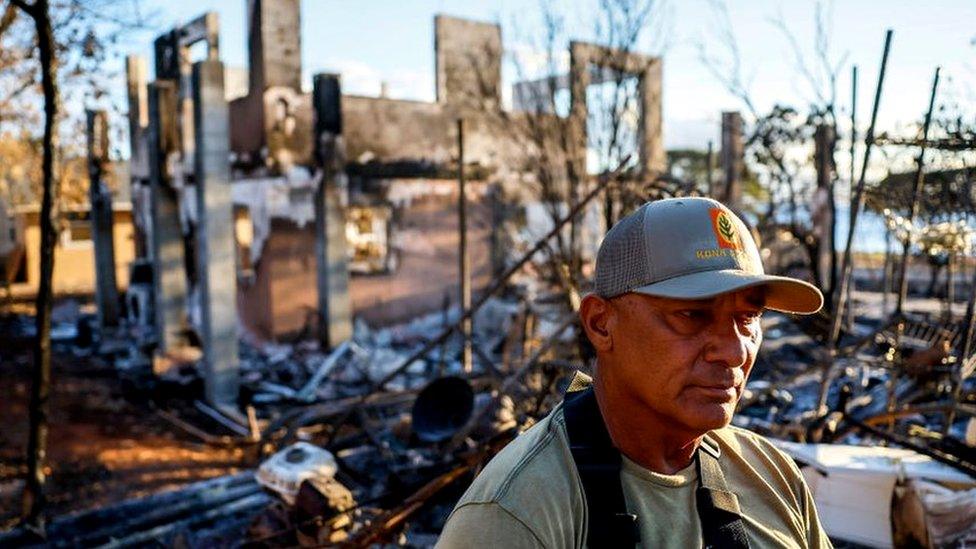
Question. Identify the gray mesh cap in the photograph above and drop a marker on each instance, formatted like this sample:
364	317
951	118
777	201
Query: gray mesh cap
691	248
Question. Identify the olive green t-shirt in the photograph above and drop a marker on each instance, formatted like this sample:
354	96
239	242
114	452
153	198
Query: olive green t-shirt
530	495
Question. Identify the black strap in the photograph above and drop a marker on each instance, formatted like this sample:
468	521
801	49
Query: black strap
718	507
598	463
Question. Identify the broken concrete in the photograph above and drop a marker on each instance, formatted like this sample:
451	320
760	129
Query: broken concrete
648	70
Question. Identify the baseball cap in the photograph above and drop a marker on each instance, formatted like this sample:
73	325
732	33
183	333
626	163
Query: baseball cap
691	248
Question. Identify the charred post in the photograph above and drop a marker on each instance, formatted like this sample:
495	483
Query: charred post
332	279
106	290
732	151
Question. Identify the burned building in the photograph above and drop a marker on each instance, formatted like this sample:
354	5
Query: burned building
322	184
400	173
403	153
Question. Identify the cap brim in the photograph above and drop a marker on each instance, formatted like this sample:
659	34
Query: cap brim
788	295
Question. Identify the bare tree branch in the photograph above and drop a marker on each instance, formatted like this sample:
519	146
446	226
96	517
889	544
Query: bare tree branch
731	76
8	18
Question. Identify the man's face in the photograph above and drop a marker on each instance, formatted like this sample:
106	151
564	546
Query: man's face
684	361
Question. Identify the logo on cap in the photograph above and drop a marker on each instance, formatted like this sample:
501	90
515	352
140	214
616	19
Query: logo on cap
724	229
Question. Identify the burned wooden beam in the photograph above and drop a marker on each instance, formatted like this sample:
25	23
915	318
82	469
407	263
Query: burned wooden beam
732	159
938	455
100	200
133	517
381	528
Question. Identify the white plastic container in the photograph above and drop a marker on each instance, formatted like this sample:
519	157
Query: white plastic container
284	472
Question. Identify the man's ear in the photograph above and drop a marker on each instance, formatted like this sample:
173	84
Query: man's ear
598	316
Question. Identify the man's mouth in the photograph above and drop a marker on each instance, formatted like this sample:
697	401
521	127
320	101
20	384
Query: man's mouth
720	392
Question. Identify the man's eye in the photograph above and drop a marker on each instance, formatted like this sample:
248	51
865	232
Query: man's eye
692	314
750	317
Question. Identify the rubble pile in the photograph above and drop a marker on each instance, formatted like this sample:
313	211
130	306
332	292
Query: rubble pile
375	440
902	372
900	382
393	439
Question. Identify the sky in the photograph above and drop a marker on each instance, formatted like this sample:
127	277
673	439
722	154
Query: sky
373	41
376	41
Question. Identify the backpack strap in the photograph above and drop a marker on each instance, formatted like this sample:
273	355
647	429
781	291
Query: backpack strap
718	507
598	463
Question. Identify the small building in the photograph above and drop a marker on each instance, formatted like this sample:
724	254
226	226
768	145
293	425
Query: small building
74	254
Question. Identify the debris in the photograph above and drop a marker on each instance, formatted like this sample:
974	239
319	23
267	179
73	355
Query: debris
307	392
853	486
286	470
443	407
203	512
928	514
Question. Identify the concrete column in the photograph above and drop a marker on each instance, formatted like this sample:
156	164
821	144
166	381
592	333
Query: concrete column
579	81
332	280
274	44
732	161
653	160
467	63
135	78
215	246
106	291
167	249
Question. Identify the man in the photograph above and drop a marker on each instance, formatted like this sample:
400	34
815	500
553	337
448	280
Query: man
646	455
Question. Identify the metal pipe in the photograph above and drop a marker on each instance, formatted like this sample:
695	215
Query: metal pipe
916	197
856	205
858	199
510	383
850	211
464	259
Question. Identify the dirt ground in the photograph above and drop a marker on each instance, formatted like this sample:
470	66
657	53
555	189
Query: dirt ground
102	447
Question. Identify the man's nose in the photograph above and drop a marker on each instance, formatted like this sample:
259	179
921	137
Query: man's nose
726	345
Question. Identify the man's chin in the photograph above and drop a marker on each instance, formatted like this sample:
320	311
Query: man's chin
711	416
